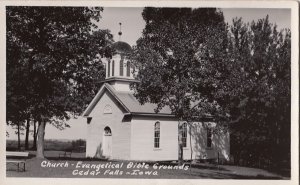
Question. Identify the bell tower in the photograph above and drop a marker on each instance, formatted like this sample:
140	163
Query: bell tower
119	69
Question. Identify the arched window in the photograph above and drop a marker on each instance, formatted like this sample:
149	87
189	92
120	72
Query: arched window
107	131
107	109
121	67
113	68
209	138
108	69
156	134
128	69
184	135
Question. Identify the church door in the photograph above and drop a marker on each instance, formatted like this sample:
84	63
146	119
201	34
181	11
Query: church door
107	143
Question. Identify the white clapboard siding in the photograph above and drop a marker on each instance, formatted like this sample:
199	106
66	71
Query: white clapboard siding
220	144
120	130
135	140
142	143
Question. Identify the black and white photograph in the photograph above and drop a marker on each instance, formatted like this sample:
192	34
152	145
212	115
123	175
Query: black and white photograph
150	92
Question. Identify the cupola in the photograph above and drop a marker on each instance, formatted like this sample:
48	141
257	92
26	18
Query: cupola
119	69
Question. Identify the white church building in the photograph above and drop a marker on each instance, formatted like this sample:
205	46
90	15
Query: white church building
120	128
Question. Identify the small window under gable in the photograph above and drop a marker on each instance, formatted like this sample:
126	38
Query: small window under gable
107	109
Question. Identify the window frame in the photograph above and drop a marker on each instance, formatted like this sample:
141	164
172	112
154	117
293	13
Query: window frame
107	109
128	69
108	68
121	67
209	138
113	68
107	131
184	135
157	135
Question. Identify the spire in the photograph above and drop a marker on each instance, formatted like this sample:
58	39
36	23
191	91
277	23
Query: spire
120	32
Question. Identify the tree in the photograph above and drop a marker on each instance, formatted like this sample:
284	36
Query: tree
16	83
34	135
239	75
27	133
251	84
166	58
60	49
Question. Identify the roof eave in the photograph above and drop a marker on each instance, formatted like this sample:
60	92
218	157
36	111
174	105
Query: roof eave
87	111
152	114
119	79
91	106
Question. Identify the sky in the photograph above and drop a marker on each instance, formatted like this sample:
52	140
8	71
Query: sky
132	27
131	19
280	17
133	23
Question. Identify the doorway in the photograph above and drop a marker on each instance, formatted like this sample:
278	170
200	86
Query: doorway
107	143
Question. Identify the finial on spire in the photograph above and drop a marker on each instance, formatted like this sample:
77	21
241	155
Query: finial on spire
120	32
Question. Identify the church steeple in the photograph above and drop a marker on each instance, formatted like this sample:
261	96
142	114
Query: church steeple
119	65
119	70
120	32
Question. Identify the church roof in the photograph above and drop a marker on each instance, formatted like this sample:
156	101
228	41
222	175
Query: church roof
134	106
122	47
129	103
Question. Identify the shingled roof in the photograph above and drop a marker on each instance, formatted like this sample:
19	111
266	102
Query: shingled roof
129	103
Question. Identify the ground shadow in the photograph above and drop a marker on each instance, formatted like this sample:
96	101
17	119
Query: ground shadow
75	159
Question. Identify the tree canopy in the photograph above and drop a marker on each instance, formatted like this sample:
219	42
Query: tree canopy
166	59
239	74
53	61
250	82
165	56
52	55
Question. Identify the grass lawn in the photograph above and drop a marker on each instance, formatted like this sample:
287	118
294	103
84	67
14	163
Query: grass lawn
78	167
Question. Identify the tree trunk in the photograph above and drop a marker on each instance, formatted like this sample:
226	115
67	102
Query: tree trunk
34	135
40	140
27	133
19	139
191	147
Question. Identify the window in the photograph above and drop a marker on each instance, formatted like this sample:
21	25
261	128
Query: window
128	69
108	69
107	131
184	134
156	134
113	68
208	138
107	109
121	67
